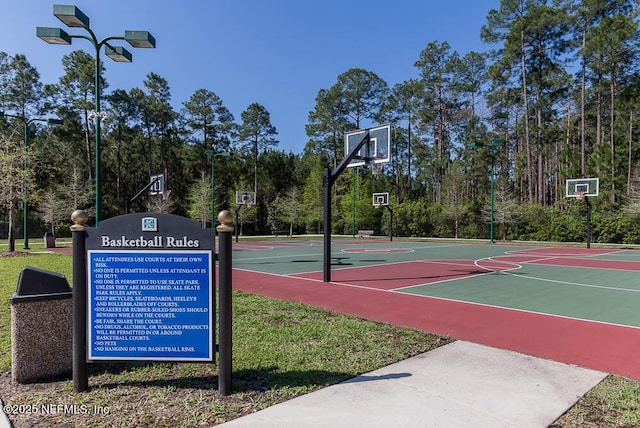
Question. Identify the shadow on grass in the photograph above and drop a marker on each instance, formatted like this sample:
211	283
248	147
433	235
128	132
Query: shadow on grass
260	380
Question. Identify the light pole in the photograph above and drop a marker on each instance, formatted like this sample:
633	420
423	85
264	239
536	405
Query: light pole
73	17
493	152
213	193
25	187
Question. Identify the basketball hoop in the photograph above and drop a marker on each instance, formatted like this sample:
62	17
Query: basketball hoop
380	199
579	195
245	199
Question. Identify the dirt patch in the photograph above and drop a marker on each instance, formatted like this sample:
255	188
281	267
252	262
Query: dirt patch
13	254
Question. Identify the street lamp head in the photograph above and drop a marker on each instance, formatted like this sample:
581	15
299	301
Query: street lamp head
71	15
54	36
118	53
54	121
140	39
225	154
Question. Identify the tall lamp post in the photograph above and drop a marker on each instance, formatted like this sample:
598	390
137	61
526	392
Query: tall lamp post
73	17
213	193
25	187
493	151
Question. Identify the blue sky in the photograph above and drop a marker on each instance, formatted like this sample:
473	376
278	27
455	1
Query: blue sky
277	53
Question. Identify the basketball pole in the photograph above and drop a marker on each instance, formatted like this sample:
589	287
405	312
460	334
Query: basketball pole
129	201
327	183
390	223
588	203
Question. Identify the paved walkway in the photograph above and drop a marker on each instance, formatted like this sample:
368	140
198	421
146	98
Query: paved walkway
458	385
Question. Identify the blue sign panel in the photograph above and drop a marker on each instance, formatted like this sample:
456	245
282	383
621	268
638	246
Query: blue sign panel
150	305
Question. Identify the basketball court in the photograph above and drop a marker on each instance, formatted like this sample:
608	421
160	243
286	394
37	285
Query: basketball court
570	304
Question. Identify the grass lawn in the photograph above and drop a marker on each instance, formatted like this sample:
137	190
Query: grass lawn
281	350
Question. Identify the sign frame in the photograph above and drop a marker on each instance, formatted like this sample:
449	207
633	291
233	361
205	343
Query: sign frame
174	314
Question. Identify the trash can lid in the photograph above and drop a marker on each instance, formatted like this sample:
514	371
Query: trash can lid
40	284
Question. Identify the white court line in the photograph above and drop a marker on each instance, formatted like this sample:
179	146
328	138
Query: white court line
573	284
527	311
356	267
532	278
541	262
493	259
340	255
506	308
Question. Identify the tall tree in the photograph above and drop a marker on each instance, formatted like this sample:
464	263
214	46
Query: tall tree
22	94
5	60
533	39
436	64
256	134
76	91
361	94
122	110
328	123
158	117
209	122
403	105
507	27
611	49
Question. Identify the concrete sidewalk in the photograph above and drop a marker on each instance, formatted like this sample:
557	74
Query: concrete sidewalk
457	385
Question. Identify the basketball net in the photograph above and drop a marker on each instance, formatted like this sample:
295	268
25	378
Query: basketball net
579	195
376	168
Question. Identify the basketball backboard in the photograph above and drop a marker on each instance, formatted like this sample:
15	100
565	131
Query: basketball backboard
380	199
156	184
580	187
376	150
245	198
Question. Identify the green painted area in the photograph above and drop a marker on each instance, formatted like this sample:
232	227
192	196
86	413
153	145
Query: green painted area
626	255
592	294
306	256
604	295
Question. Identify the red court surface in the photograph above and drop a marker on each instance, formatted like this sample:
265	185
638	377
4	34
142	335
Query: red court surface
408	274
600	346
368	292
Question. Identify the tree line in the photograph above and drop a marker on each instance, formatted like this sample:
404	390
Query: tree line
558	85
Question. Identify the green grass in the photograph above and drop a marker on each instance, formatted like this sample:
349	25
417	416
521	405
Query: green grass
615	402
10	268
281	350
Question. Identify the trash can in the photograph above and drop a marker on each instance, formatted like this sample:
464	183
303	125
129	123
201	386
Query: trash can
49	240
41	325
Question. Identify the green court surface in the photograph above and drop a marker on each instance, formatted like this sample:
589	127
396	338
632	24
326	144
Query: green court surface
590	294
290	257
597	284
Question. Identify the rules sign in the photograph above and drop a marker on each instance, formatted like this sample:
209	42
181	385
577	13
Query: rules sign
150	290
